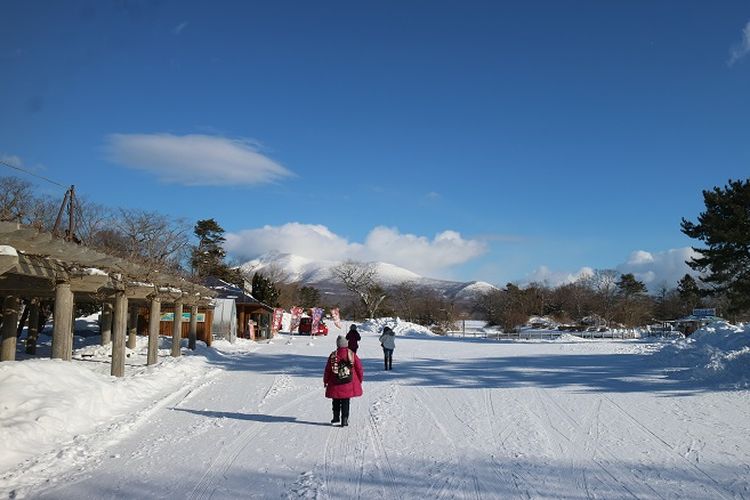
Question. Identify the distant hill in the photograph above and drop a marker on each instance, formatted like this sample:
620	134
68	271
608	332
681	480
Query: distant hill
296	269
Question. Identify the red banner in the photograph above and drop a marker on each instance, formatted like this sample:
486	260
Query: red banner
317	314
296	315
336	317
278	316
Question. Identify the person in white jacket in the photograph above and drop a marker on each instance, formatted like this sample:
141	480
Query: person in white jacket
388	341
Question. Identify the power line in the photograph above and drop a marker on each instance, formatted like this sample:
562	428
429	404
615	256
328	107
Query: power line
6	164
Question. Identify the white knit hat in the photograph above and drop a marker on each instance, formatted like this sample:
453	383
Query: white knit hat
341	341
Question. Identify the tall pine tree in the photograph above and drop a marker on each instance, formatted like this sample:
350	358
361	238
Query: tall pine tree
724	227
207	259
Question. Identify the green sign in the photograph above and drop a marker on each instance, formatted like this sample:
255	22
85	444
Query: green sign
201	317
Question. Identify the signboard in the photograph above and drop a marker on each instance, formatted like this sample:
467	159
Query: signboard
201	317
703	313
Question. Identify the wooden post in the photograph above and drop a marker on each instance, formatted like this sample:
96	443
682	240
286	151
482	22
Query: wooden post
33	331
193	327
242	324
153	330
10	323
132	326
70	338
119	325
63	316
105	326
177	328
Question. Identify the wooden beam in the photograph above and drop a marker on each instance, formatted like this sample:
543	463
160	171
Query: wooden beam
118	334
132	326
63	316
11	306
177	329
193	337
153	330
32	333
105	325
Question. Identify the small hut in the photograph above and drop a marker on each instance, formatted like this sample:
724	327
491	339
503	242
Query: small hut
253	317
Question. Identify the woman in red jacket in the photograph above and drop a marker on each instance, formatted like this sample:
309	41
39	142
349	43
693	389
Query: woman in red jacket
338	390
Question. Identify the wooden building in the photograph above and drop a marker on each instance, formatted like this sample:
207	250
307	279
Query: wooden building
253	316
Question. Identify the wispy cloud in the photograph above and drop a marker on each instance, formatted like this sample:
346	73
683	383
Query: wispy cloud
195	160
741	49
12	160
178	29
429	257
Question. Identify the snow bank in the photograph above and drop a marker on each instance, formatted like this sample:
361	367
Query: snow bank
718	352
46	404
400	328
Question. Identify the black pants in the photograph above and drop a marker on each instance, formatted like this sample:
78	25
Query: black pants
341	408
388	358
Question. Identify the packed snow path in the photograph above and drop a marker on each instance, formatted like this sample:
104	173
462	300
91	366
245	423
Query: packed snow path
455	418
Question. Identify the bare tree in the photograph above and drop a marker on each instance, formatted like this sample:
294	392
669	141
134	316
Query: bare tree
16	199
153	237
360	279
604	283
402	298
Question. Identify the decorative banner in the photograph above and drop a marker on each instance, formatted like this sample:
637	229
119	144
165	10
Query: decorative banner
296	315
317	314
336	317
278	315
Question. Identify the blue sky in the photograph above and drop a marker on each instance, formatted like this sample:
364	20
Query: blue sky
469	140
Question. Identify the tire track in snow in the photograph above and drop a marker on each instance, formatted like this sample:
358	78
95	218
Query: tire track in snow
583	433
450	483
379	448
228	454
523	485
717	488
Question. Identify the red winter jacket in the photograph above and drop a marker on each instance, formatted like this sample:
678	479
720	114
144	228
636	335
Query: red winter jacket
351	389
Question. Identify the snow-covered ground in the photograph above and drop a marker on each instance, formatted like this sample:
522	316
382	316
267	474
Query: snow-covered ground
457	417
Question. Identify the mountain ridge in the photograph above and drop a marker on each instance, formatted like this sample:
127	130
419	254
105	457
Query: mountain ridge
318	273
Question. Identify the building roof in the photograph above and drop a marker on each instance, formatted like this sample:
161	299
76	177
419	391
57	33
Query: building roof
226	290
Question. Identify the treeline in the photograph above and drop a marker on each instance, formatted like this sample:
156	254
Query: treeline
602	299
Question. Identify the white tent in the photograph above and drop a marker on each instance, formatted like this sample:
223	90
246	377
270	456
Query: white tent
225	319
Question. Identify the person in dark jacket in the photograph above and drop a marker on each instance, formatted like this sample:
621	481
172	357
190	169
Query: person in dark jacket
340	392
353	337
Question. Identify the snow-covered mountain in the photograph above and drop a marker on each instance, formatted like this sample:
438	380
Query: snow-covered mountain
296	269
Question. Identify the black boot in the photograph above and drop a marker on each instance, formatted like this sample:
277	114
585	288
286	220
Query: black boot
344	422
335	419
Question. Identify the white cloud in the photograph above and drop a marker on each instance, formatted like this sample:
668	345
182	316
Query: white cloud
652	268
312	241
429	257
741	49
656	269
12	160
178	29
553	279
195	160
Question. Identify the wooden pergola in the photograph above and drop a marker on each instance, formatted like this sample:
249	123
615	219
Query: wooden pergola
36	266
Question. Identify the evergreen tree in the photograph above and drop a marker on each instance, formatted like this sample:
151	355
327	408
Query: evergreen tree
630	287
207	259
309	296
264	290
690	294
724	227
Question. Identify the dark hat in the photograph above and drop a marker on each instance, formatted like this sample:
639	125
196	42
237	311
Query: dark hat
353	327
